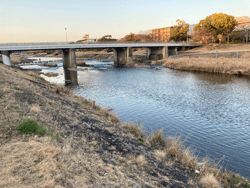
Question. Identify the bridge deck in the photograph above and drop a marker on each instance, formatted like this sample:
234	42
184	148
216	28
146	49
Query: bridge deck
26	47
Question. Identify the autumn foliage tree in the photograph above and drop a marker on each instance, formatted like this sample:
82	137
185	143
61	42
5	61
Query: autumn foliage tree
106	38
202	35
217	24
180	31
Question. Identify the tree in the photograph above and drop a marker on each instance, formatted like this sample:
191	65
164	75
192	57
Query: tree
202	35
130	37
107	38
217	24
180	31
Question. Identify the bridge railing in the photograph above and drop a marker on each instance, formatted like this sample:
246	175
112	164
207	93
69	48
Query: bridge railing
76	43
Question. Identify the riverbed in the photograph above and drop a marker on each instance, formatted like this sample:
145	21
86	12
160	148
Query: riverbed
211	112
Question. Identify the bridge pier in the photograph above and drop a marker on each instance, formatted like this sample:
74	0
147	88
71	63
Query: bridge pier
157	53
122	56
6	57
173	50
69	63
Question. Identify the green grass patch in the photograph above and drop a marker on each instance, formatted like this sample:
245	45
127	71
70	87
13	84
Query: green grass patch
235	179
141	139
16	107
1	95
30	126
86	102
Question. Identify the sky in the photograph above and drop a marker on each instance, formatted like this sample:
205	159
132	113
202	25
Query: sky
45	21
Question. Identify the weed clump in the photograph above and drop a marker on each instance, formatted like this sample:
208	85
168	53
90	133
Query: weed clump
157	138
30	126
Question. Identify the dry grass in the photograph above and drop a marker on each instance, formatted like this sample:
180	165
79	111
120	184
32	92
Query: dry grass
170	163
135	129
140	160
38	162
81	63
157	62
35	108
221	48
214	65
91	105
209	181
160	155
50	74
50	64
157	138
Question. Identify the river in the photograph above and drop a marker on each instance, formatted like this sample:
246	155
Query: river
210	111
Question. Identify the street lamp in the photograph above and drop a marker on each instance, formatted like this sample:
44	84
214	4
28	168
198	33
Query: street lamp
66	34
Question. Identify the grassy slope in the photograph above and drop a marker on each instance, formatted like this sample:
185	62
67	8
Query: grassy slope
204	59
94	148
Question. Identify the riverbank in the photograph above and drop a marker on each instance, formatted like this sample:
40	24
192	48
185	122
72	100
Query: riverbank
215	58
90	147
212	65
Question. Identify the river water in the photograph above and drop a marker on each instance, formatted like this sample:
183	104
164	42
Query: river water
210	111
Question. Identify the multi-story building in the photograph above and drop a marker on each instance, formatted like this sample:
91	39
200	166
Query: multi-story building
162	34
244	23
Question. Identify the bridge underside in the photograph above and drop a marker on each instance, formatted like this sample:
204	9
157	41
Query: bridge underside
122	56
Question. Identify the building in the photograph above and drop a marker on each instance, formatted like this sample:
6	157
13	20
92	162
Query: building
242	31
162	34
244	23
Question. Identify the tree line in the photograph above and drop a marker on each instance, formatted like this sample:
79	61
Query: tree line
214	28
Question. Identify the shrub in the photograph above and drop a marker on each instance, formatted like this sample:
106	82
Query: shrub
31	126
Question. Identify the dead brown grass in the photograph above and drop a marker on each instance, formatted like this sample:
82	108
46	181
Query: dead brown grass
140	160
160	155
81	63
215	65
35	108
209	181
157	138
134	129
50	74
221	48
108	113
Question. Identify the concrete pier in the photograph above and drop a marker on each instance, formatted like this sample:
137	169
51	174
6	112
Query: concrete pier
69	62
122	56
6	57
157	53
173	50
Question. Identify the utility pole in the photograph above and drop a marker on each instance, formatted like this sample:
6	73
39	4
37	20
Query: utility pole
66	34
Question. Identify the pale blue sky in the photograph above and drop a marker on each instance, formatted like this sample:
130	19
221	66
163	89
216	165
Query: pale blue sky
45	21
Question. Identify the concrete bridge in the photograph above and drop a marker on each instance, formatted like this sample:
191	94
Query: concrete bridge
122	52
